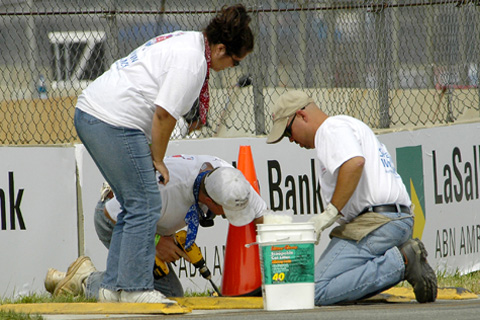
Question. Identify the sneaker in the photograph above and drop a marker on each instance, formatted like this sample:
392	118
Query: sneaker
77	272
52	279
105	295
418	272
152	296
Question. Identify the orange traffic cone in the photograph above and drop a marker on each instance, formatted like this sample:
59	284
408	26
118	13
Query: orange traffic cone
246	165
241	274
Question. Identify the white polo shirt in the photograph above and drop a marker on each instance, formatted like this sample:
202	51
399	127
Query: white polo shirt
167	71
177	195
341	138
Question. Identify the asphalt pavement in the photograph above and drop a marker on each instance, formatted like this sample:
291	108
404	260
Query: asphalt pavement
440	310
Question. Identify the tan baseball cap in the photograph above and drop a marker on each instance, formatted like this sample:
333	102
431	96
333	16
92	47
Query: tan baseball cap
286	105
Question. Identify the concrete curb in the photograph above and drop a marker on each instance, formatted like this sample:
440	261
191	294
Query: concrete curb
186	305
96	308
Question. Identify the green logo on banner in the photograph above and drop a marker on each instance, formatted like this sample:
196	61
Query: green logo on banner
410	168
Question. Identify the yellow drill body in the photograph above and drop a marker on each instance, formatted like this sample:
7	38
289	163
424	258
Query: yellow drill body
194	254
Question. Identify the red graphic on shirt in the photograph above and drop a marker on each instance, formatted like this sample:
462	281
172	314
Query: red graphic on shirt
204	94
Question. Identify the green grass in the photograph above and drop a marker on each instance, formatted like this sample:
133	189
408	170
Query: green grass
36	298
469	281
45	298
208	293
8	315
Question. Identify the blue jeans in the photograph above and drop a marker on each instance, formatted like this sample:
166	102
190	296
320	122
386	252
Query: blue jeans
123	157
349	270
103	225
169	285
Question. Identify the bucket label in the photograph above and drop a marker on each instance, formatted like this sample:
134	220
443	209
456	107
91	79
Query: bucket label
288	263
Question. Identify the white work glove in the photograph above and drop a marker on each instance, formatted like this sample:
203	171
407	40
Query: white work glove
324	220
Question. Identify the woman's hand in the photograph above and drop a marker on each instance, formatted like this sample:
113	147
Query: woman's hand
163	170
162	127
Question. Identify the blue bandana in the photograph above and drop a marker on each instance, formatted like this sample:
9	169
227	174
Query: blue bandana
192	217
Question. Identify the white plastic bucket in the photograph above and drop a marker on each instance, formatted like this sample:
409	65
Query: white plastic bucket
287	259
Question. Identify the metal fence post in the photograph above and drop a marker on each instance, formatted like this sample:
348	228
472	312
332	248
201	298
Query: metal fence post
462	45
362	61
330	19
111	30
159	19
430	70
32	45
476	27
80	215
452	22
302	59
382	68
258	81
273	45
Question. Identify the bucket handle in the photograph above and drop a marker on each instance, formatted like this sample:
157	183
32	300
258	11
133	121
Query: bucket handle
248	245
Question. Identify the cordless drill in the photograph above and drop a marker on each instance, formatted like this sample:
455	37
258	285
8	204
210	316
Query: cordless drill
194	254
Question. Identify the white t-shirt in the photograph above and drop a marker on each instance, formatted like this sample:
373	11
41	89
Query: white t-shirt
341	138
177	195
167	71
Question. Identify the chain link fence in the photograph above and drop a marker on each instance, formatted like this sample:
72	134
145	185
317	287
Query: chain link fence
389	63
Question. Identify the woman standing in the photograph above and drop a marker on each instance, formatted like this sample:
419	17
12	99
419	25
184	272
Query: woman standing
125	119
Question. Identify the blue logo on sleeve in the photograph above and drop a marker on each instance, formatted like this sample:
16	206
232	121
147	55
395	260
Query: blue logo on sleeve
386	160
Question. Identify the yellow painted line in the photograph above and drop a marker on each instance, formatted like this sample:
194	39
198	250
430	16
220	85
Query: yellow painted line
96	308
217	303
443	293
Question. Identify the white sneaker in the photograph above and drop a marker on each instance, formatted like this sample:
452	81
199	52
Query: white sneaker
52	279
105	295
152	296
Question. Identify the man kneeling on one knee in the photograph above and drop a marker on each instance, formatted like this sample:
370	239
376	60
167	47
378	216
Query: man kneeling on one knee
372	249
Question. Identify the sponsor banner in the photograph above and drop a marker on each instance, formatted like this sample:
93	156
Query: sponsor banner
38	201
440	167
38	220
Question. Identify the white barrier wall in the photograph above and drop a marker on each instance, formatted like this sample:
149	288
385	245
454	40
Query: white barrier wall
440	167
38	221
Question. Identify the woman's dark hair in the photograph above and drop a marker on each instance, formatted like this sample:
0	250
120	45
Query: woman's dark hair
230	27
